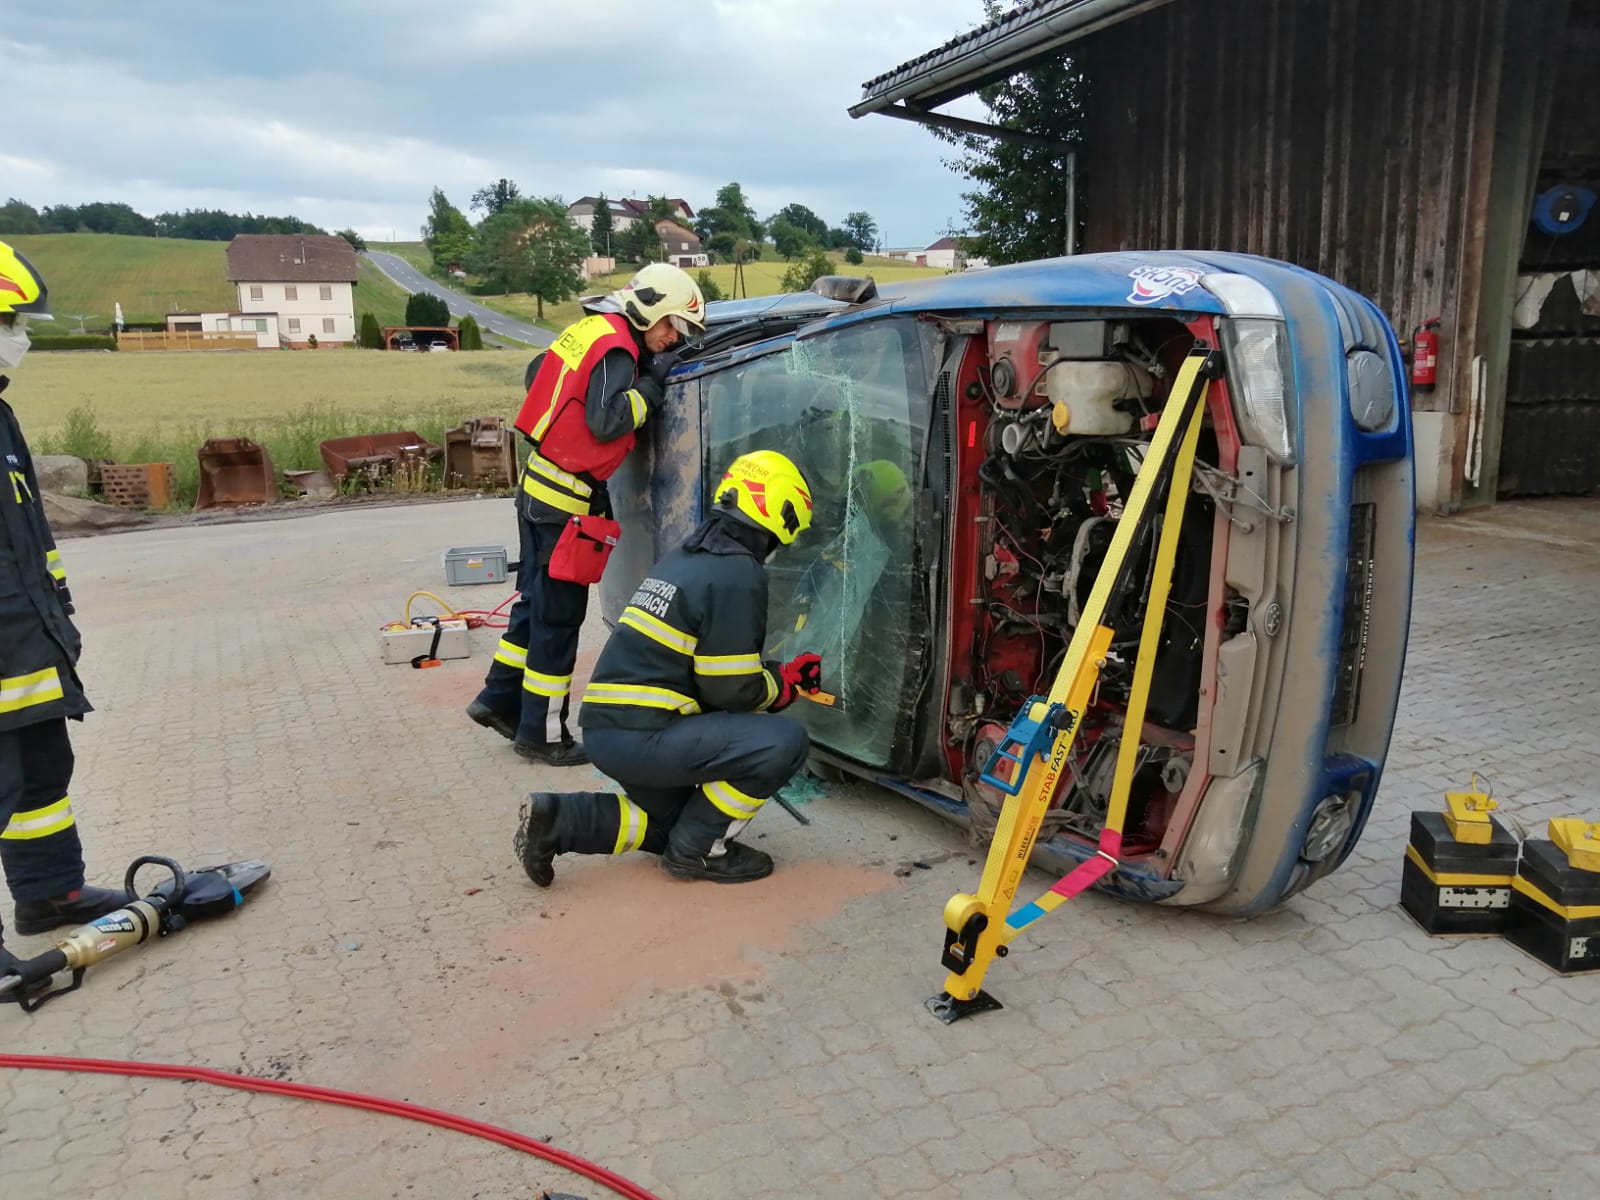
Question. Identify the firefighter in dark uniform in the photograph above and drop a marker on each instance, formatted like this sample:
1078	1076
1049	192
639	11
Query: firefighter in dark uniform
39	688
677	709
586	398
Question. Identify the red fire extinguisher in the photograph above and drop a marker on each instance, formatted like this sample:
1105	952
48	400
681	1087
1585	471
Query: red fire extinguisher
1425	354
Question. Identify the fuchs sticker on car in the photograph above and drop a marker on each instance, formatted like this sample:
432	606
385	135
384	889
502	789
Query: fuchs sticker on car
1151	285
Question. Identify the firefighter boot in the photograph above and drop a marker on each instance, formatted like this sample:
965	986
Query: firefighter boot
580	823
77	907
737	863
483	715
538	841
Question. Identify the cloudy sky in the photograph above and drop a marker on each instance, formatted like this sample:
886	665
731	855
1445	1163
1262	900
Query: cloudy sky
348	112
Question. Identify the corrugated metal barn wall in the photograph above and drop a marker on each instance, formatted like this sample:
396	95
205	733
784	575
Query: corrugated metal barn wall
1353	137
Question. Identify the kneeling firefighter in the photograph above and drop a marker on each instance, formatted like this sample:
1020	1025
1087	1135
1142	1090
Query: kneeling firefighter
677	709
39	686
587	397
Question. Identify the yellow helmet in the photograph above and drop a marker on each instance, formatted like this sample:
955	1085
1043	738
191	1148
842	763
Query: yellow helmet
764	489
661	290
22	288
881	486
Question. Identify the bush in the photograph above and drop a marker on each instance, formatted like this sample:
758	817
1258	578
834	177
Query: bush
371	335
853	257
807	271
73	341
424	308
708	286
312	341
469	335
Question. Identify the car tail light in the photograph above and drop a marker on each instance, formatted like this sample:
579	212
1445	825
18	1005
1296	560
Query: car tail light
1259	370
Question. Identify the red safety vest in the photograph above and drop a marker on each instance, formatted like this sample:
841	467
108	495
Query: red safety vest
553	413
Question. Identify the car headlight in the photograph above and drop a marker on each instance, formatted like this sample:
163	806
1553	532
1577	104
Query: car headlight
1371	390
1258	361
1330	827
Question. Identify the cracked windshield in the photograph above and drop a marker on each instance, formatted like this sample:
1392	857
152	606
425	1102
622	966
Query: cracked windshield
850	407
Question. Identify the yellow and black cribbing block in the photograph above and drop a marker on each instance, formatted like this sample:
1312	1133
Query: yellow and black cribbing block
1555	898
1459	869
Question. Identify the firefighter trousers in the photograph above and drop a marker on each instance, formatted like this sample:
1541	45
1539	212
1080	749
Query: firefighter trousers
39	845
530	680
689	786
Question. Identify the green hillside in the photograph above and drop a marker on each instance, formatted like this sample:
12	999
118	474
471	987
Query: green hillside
90	273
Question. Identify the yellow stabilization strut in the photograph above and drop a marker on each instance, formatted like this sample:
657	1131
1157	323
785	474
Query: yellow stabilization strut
978	927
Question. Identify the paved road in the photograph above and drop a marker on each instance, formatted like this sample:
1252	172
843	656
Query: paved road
413	280
769	1041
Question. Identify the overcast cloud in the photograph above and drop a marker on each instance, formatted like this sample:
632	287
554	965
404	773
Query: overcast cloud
348	113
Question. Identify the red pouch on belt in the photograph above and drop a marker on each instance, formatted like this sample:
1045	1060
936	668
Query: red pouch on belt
583	548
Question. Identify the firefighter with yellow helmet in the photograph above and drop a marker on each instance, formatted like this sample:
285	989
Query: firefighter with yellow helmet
587	396
39	686
677	711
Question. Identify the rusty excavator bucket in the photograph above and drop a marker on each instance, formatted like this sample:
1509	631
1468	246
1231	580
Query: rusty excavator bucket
371	455
235	471
481	452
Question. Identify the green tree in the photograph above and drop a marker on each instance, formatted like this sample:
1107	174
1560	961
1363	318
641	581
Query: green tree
447	233
1017	209
468	335
838	238
710	289
370	336
357	242
802	218
853	256
638	243
863	230
790	241
807	271
603	228
495	197
533	246
17	216
424	308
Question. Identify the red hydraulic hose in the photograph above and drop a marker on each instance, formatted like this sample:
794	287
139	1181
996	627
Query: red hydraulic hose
303	1091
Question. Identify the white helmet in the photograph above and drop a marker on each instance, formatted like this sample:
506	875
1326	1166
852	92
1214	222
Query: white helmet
662	290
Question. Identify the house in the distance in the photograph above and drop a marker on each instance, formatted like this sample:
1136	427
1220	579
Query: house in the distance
264	326
948	253
623	212
303	284
681	244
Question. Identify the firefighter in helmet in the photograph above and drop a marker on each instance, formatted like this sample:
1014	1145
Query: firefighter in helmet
39	686
677	711
595	386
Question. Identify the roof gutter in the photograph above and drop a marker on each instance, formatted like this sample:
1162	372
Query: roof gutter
987	59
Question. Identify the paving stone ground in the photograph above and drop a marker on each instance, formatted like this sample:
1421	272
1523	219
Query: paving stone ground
768	1042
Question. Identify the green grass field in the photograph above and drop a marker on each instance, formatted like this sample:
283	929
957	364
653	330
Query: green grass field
160	407
90	272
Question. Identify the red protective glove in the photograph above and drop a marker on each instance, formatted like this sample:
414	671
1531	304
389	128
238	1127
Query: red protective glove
802	673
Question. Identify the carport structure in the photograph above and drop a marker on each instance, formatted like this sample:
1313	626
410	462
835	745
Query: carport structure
1398	146
449	332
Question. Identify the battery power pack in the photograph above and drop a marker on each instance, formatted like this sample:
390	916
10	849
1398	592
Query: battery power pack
402	643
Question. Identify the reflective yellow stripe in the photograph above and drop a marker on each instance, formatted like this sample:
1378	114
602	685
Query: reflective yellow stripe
658	630
511	654
541	465
772	689
568	504
727	664
631	824
52	560
641	410
541	684
40	822
640	695
730	800
1568	912
24	691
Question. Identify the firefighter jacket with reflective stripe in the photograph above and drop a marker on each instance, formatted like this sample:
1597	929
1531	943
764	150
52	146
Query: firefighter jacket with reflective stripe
39	645
581	411
690	640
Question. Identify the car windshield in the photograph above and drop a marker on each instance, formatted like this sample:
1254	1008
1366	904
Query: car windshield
850	407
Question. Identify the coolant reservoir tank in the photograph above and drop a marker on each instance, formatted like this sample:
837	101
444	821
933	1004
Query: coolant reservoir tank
1081	396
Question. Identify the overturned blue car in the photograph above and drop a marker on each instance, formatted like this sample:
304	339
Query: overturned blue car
971	442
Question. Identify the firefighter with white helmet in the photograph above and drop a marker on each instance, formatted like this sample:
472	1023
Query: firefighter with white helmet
587	396
39	686
677	711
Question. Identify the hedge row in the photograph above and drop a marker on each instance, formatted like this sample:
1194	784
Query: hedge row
72	341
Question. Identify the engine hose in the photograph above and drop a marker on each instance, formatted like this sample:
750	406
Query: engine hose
302	1091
